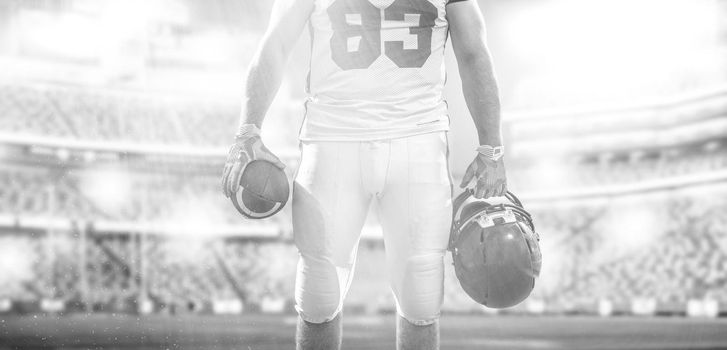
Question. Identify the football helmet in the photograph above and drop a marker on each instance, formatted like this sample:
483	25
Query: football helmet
495	250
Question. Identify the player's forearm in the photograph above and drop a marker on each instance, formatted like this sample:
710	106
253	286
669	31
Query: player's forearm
266	70
263	81
482	96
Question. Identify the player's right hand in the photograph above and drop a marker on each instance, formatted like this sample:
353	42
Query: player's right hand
248	146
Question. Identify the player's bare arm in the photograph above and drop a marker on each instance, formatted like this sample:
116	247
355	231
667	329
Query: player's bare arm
264	76
467	30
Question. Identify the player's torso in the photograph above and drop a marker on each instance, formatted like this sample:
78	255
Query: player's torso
376	65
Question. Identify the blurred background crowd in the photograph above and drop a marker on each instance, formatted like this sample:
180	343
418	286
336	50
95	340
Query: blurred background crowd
115	117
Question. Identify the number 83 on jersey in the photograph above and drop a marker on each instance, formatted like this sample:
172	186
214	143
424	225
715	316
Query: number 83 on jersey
360	28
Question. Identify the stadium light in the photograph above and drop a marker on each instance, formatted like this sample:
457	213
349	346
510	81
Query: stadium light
212	47
107	188
67	34
557	260
16	261
92	30
629	228
586	49
552	174
129	18
184	249
198	217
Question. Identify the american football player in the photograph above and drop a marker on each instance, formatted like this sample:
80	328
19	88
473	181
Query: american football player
375	129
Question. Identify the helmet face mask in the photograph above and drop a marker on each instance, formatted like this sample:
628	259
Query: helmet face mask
495	251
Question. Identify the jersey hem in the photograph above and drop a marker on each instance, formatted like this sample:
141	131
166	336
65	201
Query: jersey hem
376	136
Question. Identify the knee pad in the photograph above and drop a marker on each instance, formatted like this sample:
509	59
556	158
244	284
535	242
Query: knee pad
320	288
420	291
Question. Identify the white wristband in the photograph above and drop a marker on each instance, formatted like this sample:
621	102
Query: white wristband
247	130
492	153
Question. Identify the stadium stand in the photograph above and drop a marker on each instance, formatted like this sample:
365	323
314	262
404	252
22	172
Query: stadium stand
675	257
149	229
68	112
594	173
37	191
76	113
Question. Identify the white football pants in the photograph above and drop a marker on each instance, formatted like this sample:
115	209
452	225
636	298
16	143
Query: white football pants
334	186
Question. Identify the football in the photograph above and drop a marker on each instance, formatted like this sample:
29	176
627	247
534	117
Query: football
263	190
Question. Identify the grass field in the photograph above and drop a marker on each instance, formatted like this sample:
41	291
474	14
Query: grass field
98	331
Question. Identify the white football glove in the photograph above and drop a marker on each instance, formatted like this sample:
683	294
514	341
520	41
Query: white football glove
488	169
248	146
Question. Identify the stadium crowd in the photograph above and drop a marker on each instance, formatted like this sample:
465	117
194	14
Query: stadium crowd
166	197
673	251
599	173
84	114
669	251
589	256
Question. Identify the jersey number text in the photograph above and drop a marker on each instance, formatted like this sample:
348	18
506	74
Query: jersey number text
356	40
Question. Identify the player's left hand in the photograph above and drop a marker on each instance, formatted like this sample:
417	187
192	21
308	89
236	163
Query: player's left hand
489	176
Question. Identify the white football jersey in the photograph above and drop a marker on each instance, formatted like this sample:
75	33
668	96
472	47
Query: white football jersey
377	69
